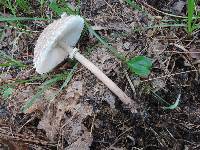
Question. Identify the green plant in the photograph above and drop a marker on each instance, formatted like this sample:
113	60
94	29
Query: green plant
9	61
167	105
175	105
192	16
59	10
24	5
133	4
140	65
7	92
13	18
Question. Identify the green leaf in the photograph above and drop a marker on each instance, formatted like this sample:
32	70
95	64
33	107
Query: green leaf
140	65
7	93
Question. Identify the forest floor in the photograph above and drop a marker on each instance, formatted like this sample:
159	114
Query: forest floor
70	108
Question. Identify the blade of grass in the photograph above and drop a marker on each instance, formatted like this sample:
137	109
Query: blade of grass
56	8
160	98
34	78
175	105
56	78
29	103
24	5
59	10
10	6
12	18
10	60
66	82
169	106
190	12
10	64
69	77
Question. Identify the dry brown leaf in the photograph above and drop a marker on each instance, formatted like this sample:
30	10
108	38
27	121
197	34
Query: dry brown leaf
74	131
156	47
41	102
19	97
51	120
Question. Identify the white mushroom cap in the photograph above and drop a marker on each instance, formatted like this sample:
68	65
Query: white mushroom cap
47	53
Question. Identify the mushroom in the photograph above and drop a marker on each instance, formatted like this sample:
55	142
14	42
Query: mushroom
57	42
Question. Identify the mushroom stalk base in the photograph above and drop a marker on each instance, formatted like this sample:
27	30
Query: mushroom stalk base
101	76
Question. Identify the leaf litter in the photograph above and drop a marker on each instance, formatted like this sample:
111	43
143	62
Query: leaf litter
172	128
64	117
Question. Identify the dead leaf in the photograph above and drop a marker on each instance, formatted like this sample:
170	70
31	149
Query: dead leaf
41	102
65	115
50	121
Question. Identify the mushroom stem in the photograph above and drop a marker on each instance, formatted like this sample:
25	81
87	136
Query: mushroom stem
101	76
73	53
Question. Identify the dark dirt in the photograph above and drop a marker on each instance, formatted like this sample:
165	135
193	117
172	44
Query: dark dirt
111	125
